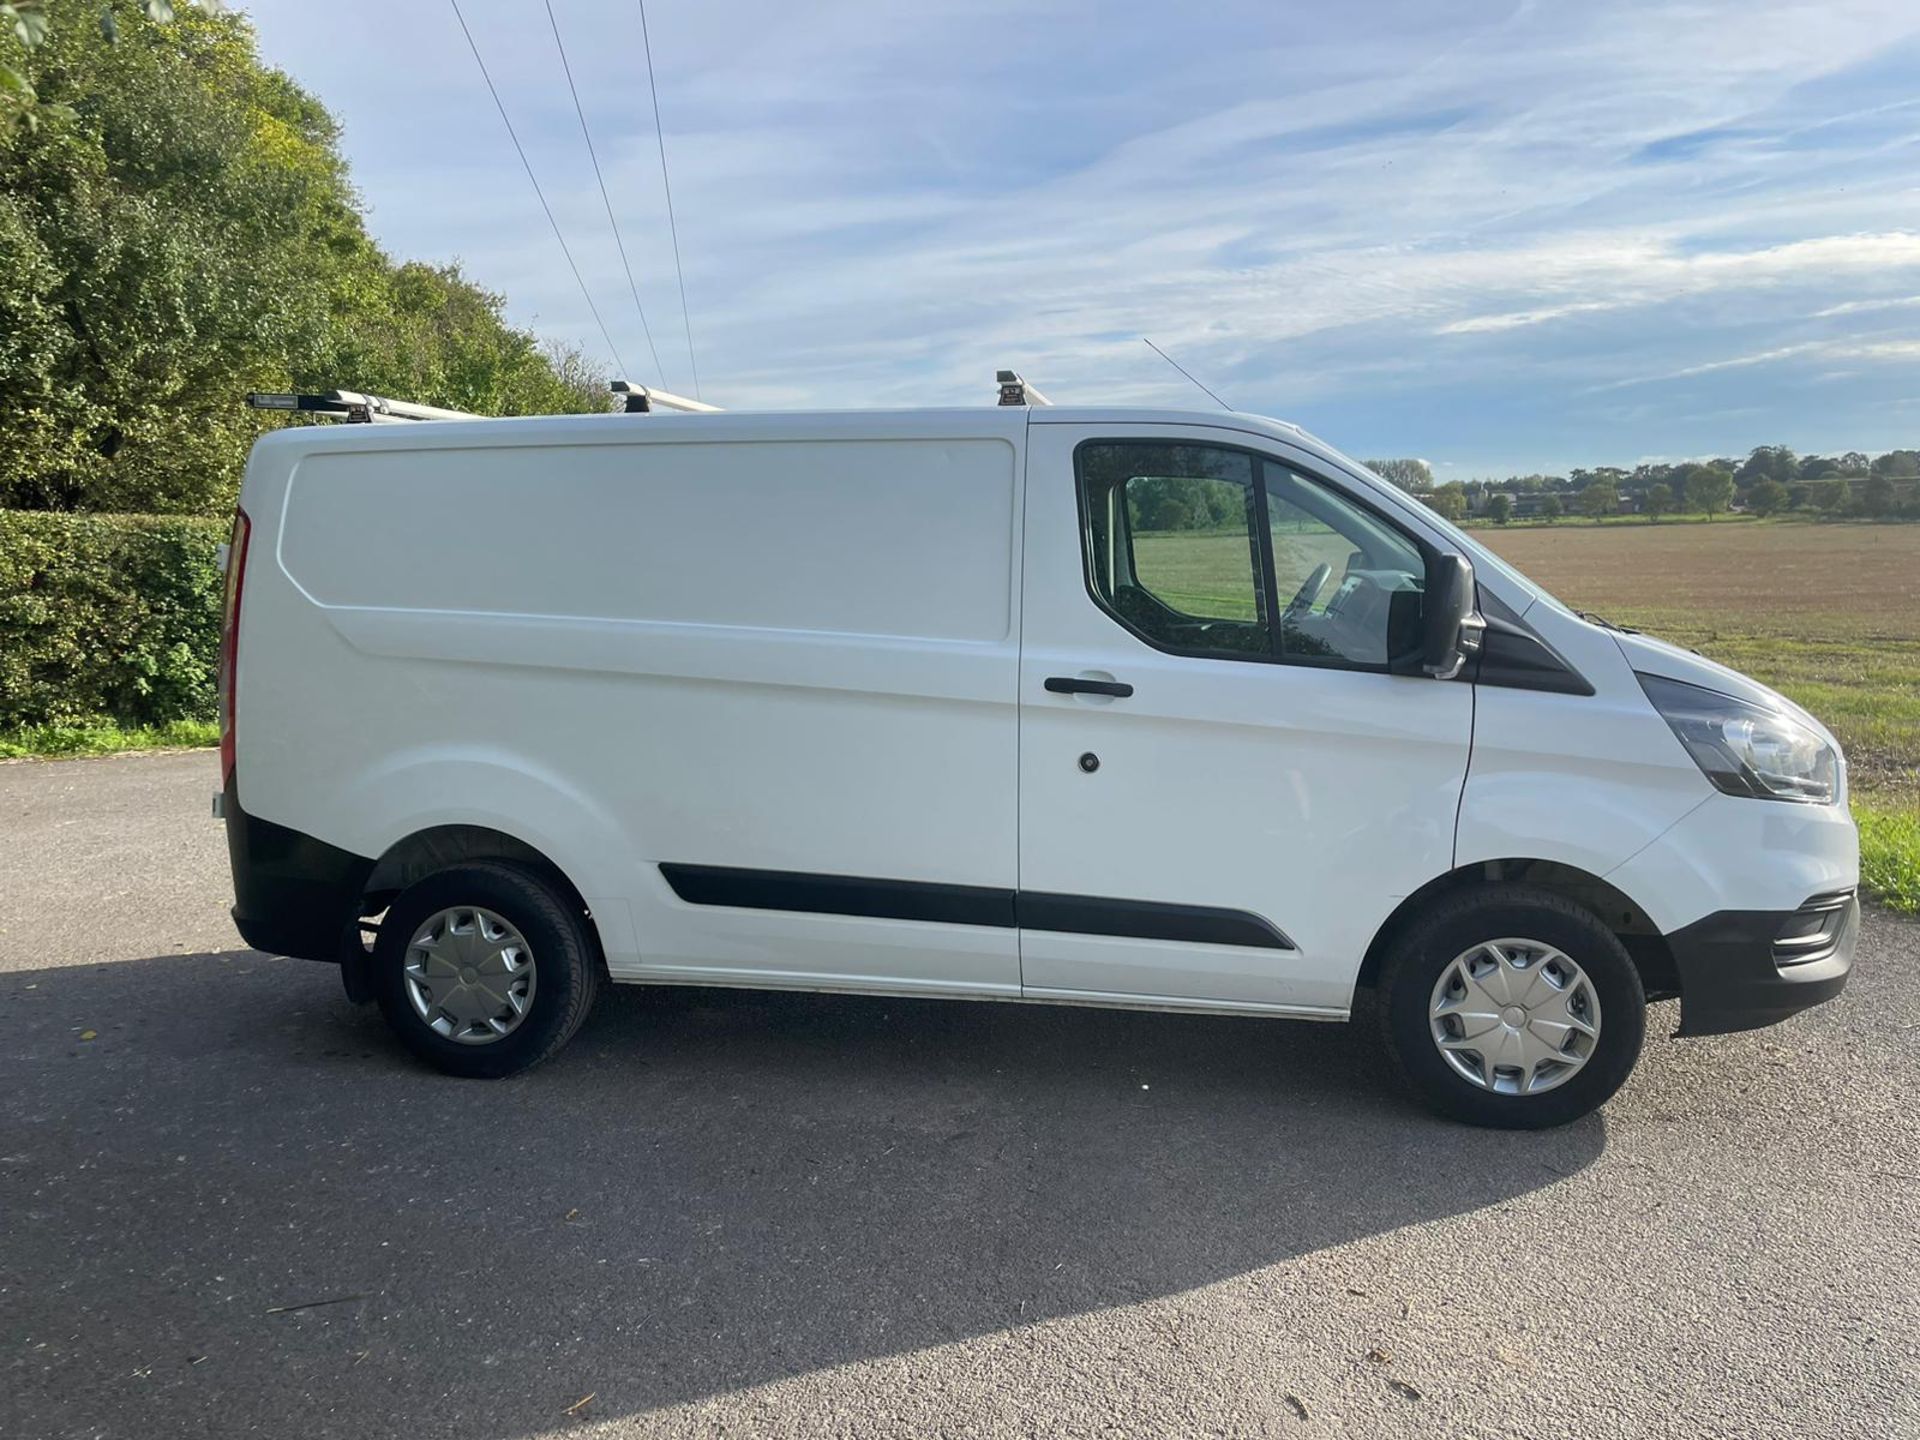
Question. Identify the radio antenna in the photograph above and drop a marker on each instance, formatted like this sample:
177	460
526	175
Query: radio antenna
1184	371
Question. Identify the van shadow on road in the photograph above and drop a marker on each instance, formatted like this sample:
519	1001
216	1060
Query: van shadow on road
707	1191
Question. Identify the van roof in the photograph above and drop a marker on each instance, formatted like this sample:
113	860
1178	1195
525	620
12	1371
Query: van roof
839	424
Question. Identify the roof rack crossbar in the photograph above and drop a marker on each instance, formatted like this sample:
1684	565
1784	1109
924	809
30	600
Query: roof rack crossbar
1015	391
644	399
354	408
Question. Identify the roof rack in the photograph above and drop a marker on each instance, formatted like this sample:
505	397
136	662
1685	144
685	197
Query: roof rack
644	399
1015	391
354	408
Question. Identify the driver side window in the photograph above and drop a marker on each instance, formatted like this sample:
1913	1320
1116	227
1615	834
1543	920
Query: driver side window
1208	550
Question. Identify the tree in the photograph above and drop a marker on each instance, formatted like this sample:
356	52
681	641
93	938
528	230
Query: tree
1817	467
1833	497
1658	500
1550	508
1766	462
1877	496
1854	463
1651	474
1708	489
1414	475
1769	497
1500	508
27	21
1897	464
1599	498
1450	500
177	228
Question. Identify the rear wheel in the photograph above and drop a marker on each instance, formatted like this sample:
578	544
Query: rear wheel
484	969
1512	1007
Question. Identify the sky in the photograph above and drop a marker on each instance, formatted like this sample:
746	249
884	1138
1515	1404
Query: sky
1500	237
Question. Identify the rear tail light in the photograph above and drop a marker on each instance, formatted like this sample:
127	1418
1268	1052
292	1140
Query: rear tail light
230	638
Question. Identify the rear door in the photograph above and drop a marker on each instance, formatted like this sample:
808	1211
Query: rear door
1223	792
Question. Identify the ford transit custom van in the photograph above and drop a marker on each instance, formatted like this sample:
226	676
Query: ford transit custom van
1097	707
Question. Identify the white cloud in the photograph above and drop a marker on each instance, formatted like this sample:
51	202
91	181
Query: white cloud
1856	307
1883	351
1513	319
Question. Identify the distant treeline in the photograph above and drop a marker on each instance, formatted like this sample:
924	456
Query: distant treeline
1771	480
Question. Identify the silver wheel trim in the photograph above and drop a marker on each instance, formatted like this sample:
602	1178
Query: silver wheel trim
1516	1017
469	975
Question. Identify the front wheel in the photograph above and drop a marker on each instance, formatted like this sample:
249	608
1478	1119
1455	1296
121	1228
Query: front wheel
1512	1007
484	969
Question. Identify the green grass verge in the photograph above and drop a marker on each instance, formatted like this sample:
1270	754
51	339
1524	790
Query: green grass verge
1890	855
105	738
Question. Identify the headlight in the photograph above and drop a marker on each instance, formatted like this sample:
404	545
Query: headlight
1746	749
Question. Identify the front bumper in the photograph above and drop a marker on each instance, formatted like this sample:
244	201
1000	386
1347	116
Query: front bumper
1741	969
293	895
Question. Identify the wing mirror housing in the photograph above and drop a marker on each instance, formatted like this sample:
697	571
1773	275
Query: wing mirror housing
1451	626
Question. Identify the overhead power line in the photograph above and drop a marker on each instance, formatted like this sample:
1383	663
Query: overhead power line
585	294
605	199
667	183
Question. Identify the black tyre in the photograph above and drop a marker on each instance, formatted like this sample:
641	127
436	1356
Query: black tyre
1511	1007
484	969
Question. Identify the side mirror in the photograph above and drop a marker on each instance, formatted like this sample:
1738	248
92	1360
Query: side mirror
1451	625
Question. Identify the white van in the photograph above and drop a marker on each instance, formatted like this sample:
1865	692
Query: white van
1101	707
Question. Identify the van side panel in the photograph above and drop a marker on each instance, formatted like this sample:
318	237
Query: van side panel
713	643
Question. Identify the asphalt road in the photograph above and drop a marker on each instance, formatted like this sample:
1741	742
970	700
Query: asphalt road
230	1206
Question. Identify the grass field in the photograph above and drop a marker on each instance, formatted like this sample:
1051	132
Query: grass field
1210	572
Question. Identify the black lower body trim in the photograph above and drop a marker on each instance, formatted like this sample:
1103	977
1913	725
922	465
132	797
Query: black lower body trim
1740	969
840	895
1146	920
968	905
293	895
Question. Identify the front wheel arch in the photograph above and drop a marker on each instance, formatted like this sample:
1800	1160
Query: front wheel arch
1607	903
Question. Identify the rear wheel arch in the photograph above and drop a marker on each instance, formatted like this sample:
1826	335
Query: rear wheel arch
426	852
1612	906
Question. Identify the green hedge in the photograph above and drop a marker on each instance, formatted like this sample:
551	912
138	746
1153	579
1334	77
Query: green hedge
107	617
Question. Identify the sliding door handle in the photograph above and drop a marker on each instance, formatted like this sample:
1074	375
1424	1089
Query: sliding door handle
1074	685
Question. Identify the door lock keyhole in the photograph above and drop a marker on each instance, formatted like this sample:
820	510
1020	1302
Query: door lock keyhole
1089	762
